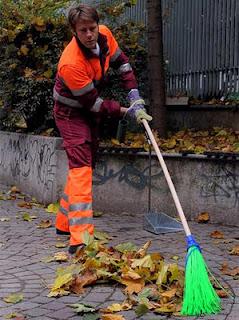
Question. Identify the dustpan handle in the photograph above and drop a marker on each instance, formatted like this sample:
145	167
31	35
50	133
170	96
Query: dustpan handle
168	178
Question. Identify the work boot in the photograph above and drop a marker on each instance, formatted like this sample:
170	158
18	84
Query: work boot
60	232
73	249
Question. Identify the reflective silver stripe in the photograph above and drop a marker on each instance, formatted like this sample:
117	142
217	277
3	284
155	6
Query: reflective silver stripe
63	211
116	55
84	90
65	197
80	221
125	68
80	206
68	101
97	105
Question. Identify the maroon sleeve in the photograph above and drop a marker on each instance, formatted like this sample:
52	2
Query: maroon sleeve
128	80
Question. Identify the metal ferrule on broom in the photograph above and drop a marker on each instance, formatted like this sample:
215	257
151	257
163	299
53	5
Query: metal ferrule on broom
199	295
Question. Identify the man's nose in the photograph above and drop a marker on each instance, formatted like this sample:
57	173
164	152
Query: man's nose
88	33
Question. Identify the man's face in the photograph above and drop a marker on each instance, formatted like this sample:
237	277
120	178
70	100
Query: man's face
87	32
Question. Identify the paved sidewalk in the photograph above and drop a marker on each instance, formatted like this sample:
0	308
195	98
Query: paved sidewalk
23	246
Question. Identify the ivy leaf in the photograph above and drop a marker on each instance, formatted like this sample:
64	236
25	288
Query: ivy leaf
82	308
14	298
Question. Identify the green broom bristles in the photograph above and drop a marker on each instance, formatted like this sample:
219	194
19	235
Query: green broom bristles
199	295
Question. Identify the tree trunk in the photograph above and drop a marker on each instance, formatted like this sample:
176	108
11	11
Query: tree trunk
157	95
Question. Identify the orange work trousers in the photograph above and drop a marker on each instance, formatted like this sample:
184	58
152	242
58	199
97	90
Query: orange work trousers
75	213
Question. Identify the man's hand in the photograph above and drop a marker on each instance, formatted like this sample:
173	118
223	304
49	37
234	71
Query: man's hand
137	110
142	114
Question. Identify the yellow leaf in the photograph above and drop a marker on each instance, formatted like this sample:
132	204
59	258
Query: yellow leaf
235	250
58	293
60	245
61	256
24	50
112	316
48	74
53	207
162	276
145	262
14	298
62	280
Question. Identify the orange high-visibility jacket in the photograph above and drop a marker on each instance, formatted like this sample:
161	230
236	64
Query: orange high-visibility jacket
81	74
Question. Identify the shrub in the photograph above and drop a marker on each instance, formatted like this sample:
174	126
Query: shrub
32	37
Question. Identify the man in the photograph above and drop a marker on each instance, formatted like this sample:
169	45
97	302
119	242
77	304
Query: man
79	109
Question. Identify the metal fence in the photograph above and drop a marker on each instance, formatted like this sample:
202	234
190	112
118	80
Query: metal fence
201	45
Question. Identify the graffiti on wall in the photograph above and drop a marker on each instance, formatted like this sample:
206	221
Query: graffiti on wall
26	159
128	173
221	184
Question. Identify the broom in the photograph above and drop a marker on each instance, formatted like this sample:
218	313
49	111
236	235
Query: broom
199	296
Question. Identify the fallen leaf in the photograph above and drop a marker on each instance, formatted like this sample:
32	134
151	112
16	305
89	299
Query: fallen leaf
97	213
217	235
133	286
53	207
203	217
82	307
111	316
141	309
14	189
3	219
235	250
14	298
25	204
61	256
45	224
222	293
61	245
80	281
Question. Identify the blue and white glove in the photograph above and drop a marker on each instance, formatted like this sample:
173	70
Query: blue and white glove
137	110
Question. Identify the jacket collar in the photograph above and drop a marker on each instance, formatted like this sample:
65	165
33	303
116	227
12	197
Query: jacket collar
102	42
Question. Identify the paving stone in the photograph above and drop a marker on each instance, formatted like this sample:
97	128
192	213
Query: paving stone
21	269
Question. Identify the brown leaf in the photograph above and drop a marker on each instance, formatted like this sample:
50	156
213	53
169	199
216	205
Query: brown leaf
222	293
235	250
81	281
14	189
143	251
25	204
203	217
229	271
217	235
45	224
169	293
133	285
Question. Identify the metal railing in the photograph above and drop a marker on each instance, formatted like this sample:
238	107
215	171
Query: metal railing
201	45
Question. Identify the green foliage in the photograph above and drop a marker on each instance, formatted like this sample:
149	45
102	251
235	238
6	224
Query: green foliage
33	34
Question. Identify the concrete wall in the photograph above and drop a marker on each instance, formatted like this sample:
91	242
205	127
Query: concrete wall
38	166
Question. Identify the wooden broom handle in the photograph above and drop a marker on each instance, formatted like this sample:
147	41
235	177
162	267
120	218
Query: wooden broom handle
168	178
